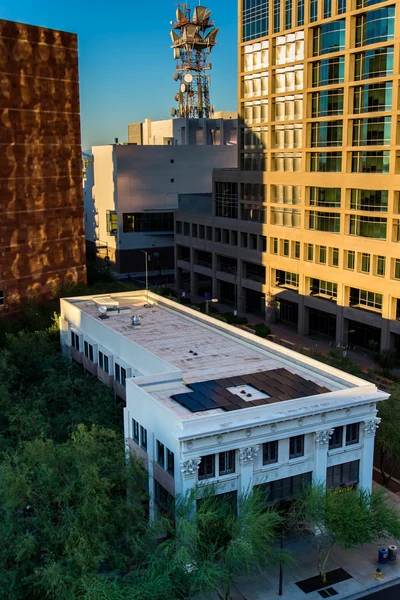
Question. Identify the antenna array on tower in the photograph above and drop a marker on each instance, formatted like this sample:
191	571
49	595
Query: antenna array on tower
193	38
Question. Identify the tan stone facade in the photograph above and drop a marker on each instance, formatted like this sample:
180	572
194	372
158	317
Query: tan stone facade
41	201
313	211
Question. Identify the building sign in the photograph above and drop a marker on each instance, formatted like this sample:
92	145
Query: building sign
348	487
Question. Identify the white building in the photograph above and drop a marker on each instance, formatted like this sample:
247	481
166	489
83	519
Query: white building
221	130
206	401
133	192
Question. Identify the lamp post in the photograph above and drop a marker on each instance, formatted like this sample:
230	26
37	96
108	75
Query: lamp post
208	300
147	275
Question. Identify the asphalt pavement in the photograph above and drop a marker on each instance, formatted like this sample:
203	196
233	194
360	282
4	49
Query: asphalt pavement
391	593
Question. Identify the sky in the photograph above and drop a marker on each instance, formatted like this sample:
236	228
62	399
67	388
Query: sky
125	60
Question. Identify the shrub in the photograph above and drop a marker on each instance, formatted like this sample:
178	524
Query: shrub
261	329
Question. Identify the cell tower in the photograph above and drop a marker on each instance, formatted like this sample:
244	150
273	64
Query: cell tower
192	47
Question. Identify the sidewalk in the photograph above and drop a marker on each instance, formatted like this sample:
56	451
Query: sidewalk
361	563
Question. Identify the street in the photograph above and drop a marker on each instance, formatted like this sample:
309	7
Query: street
392	593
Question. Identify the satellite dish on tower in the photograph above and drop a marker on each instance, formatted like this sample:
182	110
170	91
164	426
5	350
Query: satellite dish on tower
183	88
173	112
175	76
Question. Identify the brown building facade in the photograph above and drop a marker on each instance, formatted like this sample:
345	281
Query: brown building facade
42	240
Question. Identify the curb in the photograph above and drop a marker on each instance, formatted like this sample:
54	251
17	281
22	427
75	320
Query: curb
368	591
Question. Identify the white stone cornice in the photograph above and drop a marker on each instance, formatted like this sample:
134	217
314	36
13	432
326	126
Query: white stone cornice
322	437
369	427
190	467
247	455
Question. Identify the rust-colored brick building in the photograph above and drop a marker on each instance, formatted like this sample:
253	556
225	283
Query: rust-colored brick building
42	239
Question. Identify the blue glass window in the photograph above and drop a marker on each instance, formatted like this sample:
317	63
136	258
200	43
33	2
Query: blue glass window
288	14
277	16
255	19
341	6
300	12
313	10
373	97
327	9
326	162
328	71
375	26
374	63
329	37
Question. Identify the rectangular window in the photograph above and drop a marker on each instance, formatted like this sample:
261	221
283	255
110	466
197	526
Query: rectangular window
226	200
243	240
374	63
160	454
327	9
209	232
101	360
320	287
123	377
329	162
365	299
329	37
310	252
365	262
380	265
143	438
324	221
322	255
297	249
148	222
328	71
135	431
351	259
88	350
270	453
373	97
286	247
288	14
296	446
372	132
375	26
194	230
207	467
369	227
117	370
75	340
277	16
313	10
370	162
327	103
178	227
226	462
286	279
170	462
343	475
112	222
252	212
255	19
341	7
336	439
218	235
1	298
352	434
335	257
397	268
300	13
370	200
274	245
326	134
234	238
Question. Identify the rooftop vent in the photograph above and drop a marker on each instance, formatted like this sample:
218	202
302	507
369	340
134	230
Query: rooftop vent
136	321
103	312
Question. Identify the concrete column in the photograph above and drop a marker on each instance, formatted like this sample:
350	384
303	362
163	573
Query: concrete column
321	455
151	454
301	325
385	334
367	457
246	459
192	275
340	324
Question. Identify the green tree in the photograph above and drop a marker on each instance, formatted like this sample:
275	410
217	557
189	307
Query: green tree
209	543
79	523
347	520
388	435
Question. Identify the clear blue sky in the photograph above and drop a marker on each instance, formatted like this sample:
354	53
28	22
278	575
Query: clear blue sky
126	63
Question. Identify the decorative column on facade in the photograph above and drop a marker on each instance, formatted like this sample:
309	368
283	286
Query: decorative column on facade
367	457
247	457
321	455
